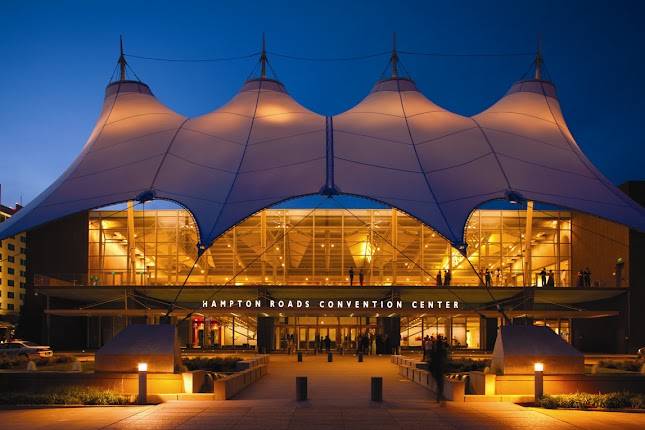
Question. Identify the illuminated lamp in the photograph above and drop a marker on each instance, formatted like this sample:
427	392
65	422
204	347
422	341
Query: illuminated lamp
539	380
143	383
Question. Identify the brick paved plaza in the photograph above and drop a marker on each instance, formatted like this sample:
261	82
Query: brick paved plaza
338	399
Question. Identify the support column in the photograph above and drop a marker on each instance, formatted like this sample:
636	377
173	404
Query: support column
207	332
265	334
390	326
132	257
528	266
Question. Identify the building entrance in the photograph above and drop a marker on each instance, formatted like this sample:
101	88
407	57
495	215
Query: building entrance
309	333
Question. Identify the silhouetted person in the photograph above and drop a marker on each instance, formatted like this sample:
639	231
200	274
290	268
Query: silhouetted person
488	278
426	347
447	278
361	277
439	363
365	343
580	282
543	276
351	276
551	281
327	343
439	280
587	277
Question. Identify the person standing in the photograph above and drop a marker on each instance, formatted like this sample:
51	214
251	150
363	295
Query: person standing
543	276
587	277
488	278
447	278
439	280
551	281
351	276
327	343
424	341
361	277
580	282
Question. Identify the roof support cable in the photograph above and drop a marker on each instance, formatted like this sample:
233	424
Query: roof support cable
280	237
400	252
421	169
239	166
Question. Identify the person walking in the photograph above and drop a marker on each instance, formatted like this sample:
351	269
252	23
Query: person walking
439	280
438	364
351	276
327	343
361	277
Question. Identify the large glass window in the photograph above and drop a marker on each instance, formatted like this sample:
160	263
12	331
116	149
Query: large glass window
329	247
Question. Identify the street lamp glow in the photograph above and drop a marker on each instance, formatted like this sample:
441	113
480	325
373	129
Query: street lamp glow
538	367
142	367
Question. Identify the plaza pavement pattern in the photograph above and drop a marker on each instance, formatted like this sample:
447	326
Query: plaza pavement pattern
338	399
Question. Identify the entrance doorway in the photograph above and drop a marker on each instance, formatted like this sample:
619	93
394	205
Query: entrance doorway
309	333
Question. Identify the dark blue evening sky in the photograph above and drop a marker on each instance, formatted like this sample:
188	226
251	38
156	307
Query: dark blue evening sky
57	58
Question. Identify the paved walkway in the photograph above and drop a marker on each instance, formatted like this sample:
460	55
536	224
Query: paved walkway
343	382
338	399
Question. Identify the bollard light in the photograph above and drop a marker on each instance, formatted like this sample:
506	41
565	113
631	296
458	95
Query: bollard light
143	383
539	380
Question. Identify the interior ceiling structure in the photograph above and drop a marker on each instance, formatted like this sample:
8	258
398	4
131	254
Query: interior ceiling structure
395	146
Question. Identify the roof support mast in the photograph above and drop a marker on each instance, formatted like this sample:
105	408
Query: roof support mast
394	59
122	62
263	59
538	61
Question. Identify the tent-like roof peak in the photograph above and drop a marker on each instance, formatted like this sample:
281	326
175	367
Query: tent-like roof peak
395	84
127	87
264	84
538	86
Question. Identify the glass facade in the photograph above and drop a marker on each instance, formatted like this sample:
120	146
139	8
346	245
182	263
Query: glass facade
328	247
463	332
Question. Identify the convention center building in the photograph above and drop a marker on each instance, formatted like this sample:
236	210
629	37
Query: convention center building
263	224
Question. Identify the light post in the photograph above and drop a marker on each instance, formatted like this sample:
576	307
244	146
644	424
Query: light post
539	380
143	383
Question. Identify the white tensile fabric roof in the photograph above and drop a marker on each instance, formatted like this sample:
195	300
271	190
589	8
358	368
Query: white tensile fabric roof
395	146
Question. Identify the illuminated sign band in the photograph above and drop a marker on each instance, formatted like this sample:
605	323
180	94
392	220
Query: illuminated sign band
328	304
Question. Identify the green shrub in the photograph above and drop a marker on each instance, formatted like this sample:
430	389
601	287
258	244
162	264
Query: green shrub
20	362
466	365
65	396
625	365
624	400
213	364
